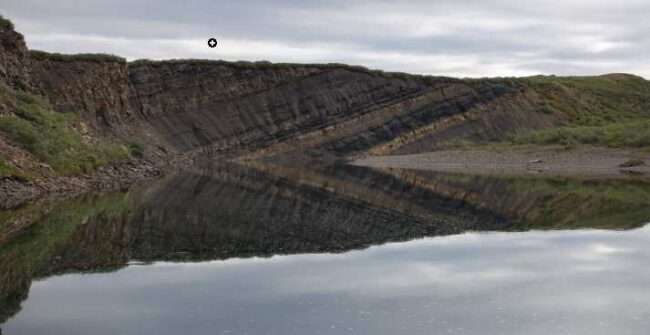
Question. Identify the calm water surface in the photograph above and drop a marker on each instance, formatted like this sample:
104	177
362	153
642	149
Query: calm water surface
333	250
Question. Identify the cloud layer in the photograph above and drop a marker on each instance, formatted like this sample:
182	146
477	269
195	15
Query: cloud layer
447	37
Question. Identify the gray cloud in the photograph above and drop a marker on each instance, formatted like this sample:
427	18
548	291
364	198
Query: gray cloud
460	38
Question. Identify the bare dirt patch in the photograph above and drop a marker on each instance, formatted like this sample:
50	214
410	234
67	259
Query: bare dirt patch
552	161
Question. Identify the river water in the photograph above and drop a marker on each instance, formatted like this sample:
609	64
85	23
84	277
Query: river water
332	250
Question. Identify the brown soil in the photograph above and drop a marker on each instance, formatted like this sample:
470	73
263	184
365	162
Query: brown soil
551	161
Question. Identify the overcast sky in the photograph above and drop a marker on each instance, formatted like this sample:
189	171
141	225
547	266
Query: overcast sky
472	38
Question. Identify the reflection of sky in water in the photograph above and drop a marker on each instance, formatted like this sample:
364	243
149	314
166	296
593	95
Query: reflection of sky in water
576	282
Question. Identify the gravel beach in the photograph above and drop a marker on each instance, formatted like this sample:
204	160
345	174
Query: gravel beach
585	162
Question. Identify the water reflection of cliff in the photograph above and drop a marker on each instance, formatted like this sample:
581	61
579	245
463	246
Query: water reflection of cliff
237	211
261	210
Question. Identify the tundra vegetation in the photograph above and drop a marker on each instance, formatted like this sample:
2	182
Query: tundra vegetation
52	137
610	111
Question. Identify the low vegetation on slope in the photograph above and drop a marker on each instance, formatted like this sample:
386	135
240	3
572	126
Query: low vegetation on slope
51	137
88	57
633	134
611	110
7	170
596	100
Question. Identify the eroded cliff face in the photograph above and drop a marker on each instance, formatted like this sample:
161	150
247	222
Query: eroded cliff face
264	109
251	108
95	89
14	57
230	106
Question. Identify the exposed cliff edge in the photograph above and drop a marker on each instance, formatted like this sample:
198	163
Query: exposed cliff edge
63	118
14	56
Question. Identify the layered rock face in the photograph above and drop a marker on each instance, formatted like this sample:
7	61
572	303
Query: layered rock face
96	89
239	108
14	57
230	106
235	108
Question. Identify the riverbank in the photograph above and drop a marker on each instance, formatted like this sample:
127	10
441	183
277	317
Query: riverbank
543	161
16	191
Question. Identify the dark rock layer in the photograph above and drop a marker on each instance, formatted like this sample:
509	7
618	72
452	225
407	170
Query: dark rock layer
14	58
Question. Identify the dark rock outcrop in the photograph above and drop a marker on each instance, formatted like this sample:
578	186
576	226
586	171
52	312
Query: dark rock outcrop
229	106
14	57
97	89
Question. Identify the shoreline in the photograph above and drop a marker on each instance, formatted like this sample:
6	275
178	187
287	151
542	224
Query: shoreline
587	162
15	192
582	162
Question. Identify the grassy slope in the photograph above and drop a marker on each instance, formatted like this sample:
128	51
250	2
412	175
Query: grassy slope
611	111
50	137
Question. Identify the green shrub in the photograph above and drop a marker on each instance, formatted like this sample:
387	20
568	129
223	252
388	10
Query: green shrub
50	137
593	101
6	170
136	150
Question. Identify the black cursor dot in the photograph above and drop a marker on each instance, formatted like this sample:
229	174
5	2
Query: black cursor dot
212	43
